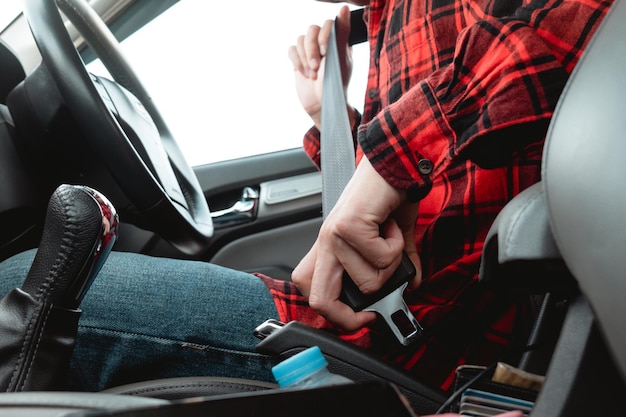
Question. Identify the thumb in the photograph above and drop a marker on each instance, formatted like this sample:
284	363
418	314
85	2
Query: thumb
343	25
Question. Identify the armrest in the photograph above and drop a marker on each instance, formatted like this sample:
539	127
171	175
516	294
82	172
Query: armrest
350	361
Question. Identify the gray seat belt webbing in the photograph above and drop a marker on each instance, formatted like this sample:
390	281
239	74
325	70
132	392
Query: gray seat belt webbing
338	158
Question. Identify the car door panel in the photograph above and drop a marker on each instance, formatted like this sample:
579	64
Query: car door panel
284	225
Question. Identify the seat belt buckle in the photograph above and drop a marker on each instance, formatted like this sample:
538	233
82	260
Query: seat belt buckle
268	327
388	302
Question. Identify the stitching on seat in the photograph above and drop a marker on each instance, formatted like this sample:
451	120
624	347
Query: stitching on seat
217	384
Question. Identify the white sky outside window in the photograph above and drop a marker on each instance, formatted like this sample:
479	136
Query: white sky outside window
229	92
9	9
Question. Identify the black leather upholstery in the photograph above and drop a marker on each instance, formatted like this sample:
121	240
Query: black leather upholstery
39	321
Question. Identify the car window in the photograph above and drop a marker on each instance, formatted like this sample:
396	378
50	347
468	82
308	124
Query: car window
219	73
9	10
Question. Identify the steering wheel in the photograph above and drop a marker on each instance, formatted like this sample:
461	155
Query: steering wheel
121	123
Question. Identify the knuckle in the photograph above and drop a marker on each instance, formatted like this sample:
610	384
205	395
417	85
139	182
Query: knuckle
312	32
370	286
382	261
296	278
342	226
318	304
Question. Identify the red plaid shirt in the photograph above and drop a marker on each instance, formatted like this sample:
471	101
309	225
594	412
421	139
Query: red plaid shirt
467	88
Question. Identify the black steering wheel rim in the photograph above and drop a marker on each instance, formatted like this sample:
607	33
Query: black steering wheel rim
188	227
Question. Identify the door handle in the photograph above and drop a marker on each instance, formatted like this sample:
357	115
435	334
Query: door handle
243	211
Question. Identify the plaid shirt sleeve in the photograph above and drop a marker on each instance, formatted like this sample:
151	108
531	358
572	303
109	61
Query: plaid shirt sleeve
459	97
503	73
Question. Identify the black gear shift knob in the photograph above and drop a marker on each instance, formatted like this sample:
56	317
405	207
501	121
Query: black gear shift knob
39	321
80	229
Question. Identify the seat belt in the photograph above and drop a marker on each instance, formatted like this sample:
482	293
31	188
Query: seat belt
336	133
337	166
338	159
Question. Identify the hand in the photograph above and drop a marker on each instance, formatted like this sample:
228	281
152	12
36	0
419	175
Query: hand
365	235
308	58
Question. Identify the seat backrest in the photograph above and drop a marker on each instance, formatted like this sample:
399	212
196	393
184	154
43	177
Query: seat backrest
584	176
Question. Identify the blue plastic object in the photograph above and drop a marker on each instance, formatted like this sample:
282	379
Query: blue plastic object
307	368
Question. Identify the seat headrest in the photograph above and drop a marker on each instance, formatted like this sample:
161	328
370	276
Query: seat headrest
584	176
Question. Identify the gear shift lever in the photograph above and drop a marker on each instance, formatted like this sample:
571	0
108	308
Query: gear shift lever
39	321
80	229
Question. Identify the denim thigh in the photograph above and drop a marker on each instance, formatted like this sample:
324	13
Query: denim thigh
147	318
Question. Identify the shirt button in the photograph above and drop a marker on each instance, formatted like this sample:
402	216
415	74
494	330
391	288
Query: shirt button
425	166
372	92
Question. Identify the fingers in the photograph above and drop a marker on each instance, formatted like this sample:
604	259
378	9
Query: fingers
326	290
319	278
310	48
369	261
316	44
294	57
306	55
363	208
343	30
340	314
302	274
343	26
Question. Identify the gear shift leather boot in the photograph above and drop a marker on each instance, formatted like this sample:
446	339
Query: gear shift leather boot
39	321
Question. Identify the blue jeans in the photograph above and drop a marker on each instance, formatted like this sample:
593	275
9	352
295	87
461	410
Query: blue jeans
147	318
